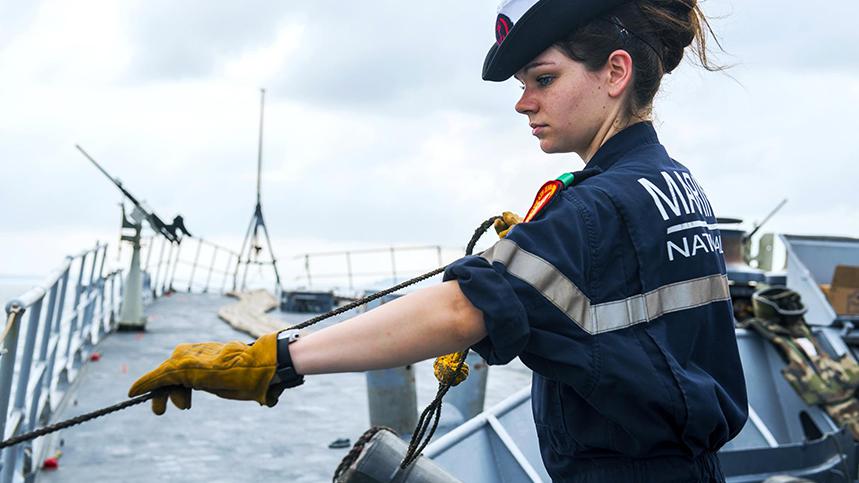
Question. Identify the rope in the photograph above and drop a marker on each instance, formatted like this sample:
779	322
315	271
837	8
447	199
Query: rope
77	420
431	413
10	322
434	407
357	449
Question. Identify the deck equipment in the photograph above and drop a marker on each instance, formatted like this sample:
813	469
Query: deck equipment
251	247
131	317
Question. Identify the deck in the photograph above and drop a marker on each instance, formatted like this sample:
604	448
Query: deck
218	440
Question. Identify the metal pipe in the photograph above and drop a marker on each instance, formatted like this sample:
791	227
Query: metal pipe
194	265
79	288
7	363
149	253
73	322
49	316
164	285
176	260
158	268
211	267
92	269
227	273
57	324
27	356
27	299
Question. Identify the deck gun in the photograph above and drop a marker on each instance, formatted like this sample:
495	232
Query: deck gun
131	314
141	211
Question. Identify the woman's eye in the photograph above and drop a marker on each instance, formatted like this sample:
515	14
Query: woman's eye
545	80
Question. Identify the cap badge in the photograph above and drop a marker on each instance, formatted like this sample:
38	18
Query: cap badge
502	27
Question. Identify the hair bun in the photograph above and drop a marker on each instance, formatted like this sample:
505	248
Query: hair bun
675	23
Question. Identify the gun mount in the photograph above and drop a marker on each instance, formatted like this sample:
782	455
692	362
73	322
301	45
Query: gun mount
131	314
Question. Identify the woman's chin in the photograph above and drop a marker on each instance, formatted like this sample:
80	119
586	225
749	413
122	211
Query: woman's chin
548	147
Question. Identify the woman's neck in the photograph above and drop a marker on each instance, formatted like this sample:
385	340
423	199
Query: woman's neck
611	126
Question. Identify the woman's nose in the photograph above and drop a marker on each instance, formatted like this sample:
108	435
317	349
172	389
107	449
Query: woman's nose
526	104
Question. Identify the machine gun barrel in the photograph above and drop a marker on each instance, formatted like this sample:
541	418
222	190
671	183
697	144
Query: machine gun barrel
154	221
113	180
775	210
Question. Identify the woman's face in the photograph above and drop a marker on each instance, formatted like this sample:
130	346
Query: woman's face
566	104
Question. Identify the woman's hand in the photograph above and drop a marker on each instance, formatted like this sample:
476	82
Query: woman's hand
506	222
233	371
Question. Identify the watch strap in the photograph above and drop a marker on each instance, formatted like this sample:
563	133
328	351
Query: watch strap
285	372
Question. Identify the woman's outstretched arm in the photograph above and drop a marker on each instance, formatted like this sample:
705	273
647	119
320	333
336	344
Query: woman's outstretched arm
426	323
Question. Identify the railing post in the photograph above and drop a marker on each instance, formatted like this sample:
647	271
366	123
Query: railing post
438	252
7	368
175	265
25	367
194	265
149	253
164	285
158	268
103	258
112	303
227	274
85	326
47	331
211	267
73	322
79	287
92	269
57	324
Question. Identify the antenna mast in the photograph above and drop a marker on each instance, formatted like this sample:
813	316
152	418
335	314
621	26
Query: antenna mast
259	148
251	247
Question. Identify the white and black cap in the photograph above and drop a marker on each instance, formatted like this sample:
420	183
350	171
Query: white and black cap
525	28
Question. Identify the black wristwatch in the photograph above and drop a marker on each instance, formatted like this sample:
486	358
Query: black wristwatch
285	373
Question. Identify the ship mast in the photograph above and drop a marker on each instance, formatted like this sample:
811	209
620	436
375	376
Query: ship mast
251	247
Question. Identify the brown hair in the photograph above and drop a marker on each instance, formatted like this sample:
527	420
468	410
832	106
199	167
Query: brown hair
655	33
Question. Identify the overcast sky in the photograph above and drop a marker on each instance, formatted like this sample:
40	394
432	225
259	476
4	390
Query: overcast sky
378	130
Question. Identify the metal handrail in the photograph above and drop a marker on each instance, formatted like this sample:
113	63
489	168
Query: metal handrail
66	336
348	256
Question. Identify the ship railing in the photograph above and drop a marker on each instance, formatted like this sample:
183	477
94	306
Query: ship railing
50	331
195	265
390	265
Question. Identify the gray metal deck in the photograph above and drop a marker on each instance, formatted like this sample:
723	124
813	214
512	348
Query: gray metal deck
217	440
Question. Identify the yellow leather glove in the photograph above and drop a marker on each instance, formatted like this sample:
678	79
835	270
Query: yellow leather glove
233	371
445	366
506	222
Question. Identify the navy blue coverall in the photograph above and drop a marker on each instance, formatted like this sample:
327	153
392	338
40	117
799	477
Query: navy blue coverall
615	295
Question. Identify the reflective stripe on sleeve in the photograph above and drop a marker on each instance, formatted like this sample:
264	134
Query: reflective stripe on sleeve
608	316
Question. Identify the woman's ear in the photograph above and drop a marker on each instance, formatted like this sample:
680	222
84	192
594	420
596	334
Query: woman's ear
619	72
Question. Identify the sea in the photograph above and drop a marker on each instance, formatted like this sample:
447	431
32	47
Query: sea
13	286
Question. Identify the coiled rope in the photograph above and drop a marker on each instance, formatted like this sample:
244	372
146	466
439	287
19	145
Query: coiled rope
415	446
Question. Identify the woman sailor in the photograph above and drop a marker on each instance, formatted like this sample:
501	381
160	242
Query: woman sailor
613	291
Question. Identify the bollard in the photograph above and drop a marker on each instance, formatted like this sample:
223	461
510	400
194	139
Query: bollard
379	462
469	396
392	399
131	316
